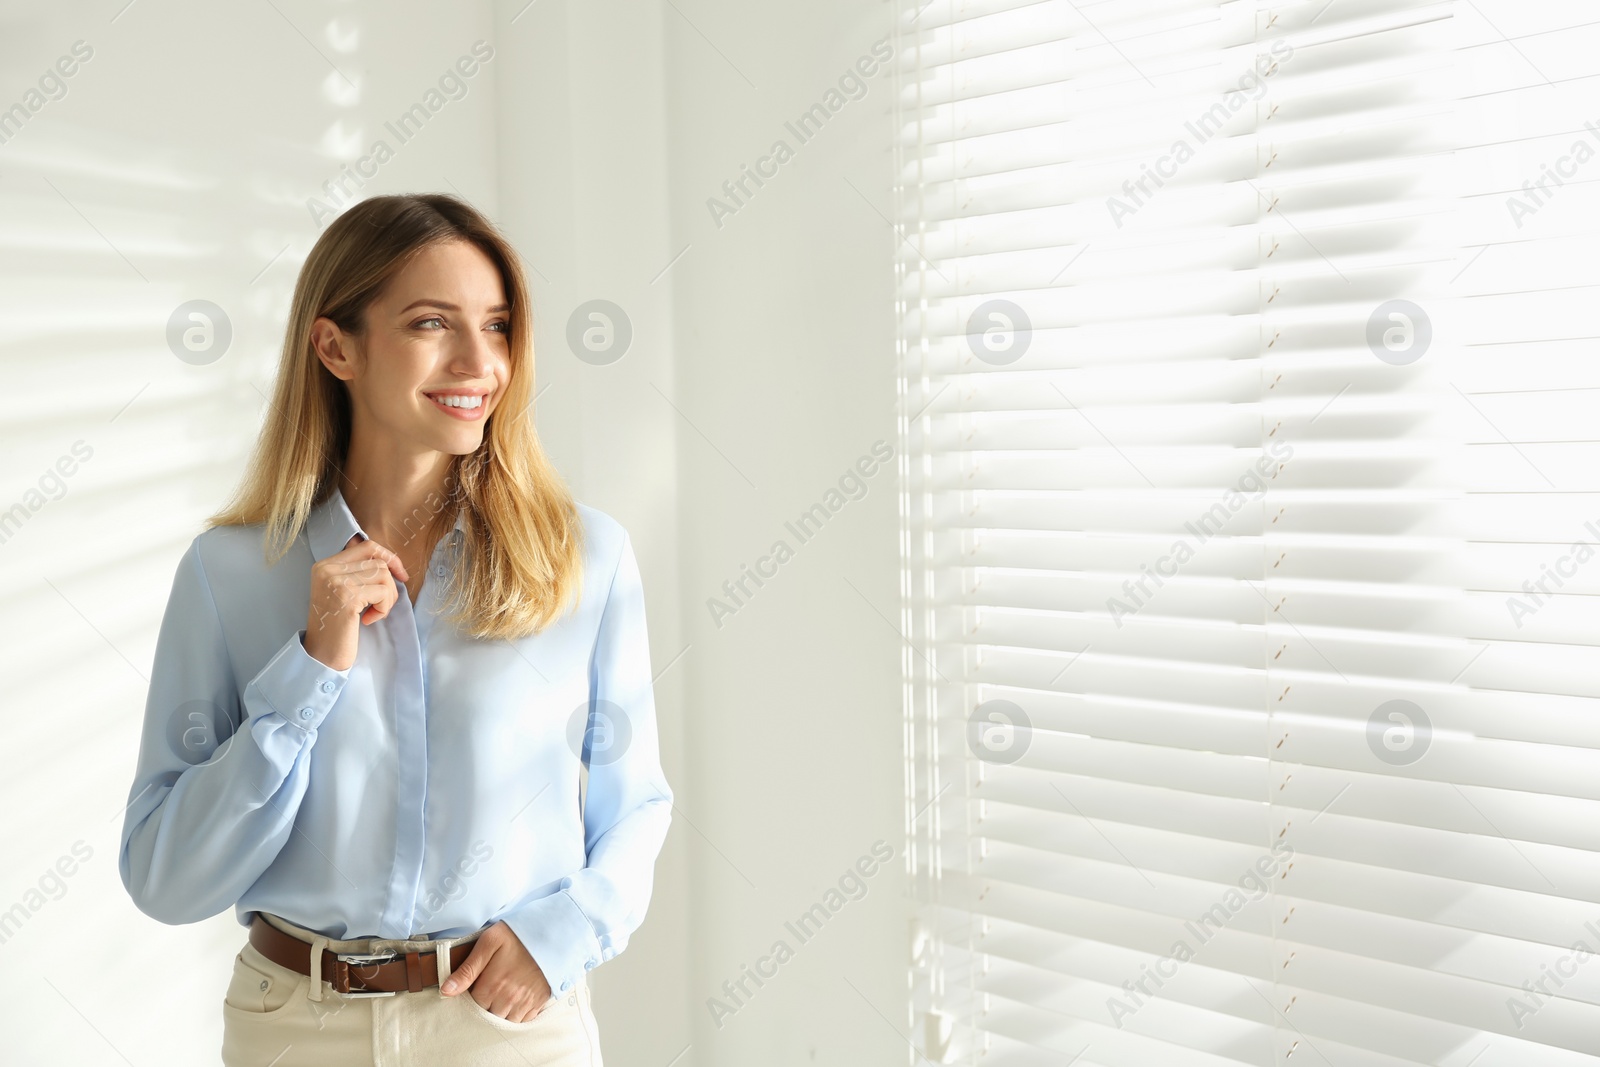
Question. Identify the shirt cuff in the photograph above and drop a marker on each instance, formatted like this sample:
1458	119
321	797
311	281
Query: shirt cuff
559	937
298	686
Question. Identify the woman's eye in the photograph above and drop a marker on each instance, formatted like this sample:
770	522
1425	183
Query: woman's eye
501	326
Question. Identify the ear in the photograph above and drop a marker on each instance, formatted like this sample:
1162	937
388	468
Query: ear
335	348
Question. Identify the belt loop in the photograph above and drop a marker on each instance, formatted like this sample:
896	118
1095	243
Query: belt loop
441	953
318	944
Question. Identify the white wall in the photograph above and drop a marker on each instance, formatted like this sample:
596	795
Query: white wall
786	378
178	166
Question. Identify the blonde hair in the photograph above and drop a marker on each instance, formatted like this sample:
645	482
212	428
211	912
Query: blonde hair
523	535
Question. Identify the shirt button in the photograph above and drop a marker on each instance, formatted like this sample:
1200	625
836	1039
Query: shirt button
305	713
588	965
327	687
566	985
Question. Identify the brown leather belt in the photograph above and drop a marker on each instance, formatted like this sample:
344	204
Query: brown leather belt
375	974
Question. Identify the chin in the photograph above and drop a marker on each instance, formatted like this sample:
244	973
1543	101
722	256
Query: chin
455	444
463	446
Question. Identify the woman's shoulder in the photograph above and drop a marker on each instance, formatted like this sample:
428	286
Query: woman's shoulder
603	537
226	567
237	553
608	547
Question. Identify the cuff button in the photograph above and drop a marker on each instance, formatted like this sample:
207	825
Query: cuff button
305	713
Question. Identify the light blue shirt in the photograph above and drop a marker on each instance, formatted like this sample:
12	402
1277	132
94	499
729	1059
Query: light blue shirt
429	790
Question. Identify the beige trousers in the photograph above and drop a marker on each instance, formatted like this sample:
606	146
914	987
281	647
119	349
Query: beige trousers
274	1016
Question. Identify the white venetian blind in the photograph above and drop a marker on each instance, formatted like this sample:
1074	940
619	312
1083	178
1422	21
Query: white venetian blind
1238	404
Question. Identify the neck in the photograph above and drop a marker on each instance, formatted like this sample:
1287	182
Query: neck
396	499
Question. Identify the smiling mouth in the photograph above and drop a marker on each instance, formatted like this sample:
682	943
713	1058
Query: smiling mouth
460	405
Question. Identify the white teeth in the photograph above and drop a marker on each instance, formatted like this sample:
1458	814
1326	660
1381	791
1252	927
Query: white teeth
459	401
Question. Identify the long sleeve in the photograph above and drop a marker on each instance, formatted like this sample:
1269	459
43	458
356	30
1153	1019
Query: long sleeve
214	798
628	804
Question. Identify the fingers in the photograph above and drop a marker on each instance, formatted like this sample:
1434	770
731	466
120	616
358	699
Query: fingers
494	994
508	1007
464	975
362	574
352	588
368	548
363	584
390	559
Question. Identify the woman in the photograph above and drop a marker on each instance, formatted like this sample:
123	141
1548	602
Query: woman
388	793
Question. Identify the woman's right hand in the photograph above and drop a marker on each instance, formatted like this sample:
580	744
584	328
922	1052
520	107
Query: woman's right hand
349	588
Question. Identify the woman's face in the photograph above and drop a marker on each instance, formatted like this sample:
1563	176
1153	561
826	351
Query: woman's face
435	357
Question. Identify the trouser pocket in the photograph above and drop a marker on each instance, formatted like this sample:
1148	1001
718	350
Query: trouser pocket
261	987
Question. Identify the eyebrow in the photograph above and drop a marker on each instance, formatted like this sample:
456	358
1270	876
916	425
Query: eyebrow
430	302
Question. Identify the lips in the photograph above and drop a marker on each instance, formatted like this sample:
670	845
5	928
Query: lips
467	406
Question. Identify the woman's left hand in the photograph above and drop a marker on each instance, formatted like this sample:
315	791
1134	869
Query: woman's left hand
501	976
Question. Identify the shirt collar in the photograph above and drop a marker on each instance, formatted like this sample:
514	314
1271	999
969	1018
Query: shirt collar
331	525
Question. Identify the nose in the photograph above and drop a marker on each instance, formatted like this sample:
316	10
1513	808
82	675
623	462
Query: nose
476	354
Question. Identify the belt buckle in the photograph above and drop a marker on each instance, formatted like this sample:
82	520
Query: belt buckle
358	958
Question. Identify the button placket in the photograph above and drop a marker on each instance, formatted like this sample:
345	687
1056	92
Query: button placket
418	619
409	626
